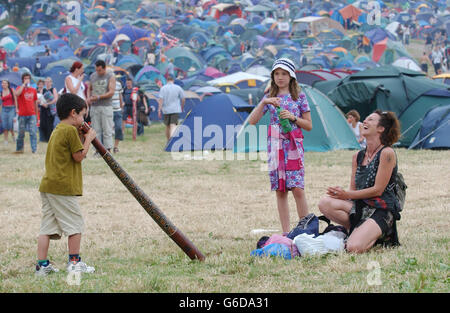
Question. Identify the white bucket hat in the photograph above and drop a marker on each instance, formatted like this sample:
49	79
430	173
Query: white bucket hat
286	65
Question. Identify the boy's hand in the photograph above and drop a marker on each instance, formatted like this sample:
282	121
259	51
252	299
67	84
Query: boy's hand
90	135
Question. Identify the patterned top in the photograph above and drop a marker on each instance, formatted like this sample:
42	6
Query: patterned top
294	178
365	178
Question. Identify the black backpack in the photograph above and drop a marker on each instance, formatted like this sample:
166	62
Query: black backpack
400	190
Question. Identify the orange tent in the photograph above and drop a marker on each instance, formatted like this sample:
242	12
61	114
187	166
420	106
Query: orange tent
350	12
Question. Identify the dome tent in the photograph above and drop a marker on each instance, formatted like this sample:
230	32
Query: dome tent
330	131
212	124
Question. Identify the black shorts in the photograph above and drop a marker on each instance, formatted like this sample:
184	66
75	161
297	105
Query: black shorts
171	119
127	111
383	218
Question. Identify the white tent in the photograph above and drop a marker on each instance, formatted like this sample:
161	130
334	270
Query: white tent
407	63
236	78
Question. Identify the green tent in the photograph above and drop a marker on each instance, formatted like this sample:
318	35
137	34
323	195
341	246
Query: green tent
184	58
330	129
388	88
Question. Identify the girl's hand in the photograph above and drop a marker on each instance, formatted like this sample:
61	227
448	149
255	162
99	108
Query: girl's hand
275	101
287	114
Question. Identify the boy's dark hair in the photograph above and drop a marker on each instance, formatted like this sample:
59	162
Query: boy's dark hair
25	75
100	63
68	102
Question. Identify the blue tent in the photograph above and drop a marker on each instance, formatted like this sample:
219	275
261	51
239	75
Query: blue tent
377	34
30	62
435	130
134	33
29	51
215	51
14	78
65	53
211	125
54	44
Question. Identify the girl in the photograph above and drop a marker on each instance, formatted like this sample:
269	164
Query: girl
353	120
285	149
9	108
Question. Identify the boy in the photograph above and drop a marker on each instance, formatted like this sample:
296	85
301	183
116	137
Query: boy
62	183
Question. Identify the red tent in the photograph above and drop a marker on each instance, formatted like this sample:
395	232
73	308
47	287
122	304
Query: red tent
378	49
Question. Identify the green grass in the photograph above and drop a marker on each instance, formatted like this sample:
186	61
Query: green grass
215	204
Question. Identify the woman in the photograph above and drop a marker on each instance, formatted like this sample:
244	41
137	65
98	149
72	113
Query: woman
9	108
353	120
74	84
74	81
47	109
369	210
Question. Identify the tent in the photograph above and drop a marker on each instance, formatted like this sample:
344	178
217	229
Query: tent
330	129
316	24
434	131
184	58
407	63
250	80
134	33
412	117
212	124
388	88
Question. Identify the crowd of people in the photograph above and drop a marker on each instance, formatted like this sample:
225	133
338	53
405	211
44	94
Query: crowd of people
109	106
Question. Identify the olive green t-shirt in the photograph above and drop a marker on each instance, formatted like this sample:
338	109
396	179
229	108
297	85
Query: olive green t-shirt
62	174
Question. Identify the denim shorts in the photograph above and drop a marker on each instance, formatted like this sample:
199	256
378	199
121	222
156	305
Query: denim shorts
8	114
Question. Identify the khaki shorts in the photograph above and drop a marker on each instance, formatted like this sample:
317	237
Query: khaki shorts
60	214
171	119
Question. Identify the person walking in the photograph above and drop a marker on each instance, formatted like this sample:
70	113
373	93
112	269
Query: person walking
287	106
170	104
102	87
437	58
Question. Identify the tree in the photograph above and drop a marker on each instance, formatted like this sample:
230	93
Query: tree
16	9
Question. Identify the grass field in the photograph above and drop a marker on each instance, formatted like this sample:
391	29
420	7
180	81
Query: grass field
216	204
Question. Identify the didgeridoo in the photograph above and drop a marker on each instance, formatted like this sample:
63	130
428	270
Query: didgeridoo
175	234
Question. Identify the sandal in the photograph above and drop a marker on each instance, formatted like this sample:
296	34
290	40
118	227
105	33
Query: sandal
115	150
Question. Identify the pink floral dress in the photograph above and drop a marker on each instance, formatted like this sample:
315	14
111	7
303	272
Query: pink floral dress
286	146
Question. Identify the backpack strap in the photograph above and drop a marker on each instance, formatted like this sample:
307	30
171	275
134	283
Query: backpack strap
325	219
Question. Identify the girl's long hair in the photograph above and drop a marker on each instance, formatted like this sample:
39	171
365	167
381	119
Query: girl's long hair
294	88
